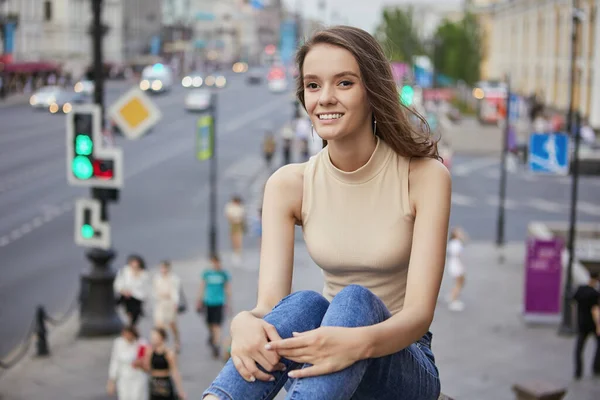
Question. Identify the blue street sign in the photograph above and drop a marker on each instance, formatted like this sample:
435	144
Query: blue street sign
155	45
205	16
257	4
549	153
287	41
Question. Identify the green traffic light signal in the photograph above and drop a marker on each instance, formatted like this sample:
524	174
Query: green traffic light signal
406	95
82	167
87	231
83	145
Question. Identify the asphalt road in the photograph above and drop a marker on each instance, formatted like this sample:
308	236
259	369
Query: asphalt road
162	212
529	197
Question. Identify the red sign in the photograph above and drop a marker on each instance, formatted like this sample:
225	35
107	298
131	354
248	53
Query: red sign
445	94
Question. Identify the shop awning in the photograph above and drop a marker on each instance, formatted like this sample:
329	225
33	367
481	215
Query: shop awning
31	67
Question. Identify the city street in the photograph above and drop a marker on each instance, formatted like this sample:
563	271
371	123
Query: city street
529	197
163	208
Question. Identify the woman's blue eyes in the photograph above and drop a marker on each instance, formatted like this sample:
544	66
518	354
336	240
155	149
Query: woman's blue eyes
313	85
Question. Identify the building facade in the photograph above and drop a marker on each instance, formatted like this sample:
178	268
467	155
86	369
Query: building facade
531	41
57	31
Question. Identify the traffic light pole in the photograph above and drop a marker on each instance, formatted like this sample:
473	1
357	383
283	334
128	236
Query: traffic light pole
98	315
502	192
213	167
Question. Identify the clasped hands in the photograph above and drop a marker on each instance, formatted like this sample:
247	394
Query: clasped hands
326	349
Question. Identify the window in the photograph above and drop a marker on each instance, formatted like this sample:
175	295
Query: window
48	10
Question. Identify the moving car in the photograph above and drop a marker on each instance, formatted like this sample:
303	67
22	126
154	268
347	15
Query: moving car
276	80
65	100
44	96
157	78
193	80
254	77
85	87
197	100
215	80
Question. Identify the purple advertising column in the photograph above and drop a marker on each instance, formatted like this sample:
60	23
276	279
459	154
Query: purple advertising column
543	275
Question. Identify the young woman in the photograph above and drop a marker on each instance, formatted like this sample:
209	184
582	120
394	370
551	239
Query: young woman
235	213
128	382
456	268
374	207
161	364
132	285
166	287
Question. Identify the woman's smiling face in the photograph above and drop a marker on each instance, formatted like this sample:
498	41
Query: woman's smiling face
334	94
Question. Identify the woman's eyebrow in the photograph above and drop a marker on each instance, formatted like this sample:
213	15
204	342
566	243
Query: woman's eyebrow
338	75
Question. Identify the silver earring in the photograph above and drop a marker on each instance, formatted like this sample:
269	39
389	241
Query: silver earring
312	131
375	128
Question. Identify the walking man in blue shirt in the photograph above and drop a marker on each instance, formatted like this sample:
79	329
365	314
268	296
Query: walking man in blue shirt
214	299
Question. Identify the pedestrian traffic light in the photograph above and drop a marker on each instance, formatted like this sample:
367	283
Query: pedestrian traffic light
407	95
90	230
89	163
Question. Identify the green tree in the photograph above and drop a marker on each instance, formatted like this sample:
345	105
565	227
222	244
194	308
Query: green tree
458	51
398	35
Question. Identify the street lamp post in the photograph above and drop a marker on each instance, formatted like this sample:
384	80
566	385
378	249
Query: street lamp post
574	127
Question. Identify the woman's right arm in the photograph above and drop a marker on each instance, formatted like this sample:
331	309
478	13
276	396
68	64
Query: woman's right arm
249	332
282	206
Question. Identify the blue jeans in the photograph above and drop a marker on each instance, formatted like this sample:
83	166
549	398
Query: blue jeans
409	374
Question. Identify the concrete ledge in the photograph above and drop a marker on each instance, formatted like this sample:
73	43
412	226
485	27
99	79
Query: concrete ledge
539	390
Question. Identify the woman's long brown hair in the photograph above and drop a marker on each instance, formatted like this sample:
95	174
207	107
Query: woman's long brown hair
393	124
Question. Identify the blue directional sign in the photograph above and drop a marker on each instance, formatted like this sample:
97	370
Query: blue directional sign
549	153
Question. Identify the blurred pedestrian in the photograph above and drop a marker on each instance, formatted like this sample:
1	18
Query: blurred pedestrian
588	322
456	268
124	380
269	147
161	363
132	286
287	135
257	226
235	212
167	289
214	299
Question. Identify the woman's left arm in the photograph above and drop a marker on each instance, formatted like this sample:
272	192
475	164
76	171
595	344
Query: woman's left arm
430	192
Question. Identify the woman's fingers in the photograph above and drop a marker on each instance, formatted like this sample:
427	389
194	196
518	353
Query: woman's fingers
242	370
255	373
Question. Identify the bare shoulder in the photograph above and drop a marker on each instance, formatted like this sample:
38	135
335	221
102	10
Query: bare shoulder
428	177
284	189
288	177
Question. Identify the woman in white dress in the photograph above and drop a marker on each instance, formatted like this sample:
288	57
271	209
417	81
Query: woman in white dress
125	380
132	285
166	287
456	268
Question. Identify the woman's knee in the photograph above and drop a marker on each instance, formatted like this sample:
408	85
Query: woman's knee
300	311
355	305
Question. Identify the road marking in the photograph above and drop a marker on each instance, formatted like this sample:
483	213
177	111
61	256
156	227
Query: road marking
492	174
588	208
50	212
545	205
461	200
467	167
494	201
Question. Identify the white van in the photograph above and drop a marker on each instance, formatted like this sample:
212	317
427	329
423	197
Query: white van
156	78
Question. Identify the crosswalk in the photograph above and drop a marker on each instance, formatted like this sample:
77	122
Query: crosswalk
535	204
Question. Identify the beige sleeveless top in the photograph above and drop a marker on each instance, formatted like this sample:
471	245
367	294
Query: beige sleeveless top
358	225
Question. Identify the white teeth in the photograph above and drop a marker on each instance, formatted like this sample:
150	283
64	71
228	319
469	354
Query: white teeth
330	116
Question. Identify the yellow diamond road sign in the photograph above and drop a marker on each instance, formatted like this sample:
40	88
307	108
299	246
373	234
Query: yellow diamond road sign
134	113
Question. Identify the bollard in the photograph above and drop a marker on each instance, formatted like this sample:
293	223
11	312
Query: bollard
539	390
40	329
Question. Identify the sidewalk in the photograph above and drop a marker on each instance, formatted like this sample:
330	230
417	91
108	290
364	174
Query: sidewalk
481	352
